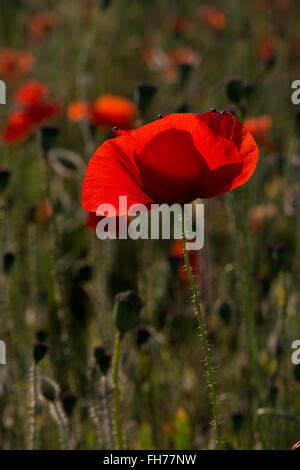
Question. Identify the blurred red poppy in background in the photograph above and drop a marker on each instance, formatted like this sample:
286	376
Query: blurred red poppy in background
41	24
175	159
267	49
31	92
111	110
107	111
78	111
22	122
18	127
213	17
260	127
177	260
14	63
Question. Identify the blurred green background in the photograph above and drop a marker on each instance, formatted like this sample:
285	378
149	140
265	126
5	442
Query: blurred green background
58	281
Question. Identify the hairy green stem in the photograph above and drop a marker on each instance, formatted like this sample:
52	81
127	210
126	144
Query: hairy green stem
117	419
204	340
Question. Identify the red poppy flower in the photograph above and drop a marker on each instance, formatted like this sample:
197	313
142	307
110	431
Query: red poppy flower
21	123
31	92
41	24
175	159
110	110
14	63
43	111
18	127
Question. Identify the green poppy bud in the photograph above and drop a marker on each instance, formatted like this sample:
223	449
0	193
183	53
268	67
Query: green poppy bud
127	309
102	358
8	261
185	71
225	311
144	95
47	136
141	336
49	389
236	89
68	402
4	178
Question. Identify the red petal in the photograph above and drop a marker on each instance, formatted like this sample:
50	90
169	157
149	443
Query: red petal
111	174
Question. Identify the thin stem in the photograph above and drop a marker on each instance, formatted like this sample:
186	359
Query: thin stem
116	363
204	340
35	405
61	426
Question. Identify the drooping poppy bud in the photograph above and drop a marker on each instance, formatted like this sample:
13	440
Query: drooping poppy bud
103	359
8	261
39	351
225	311
5	175
127	309
49	389
144	95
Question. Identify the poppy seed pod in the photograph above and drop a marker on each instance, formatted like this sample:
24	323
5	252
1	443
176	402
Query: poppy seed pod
49	389
69	402
8	261
39	351
141	336
127	309
237	89
143	96
102	358
185	72
225	311
47	136
4	178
